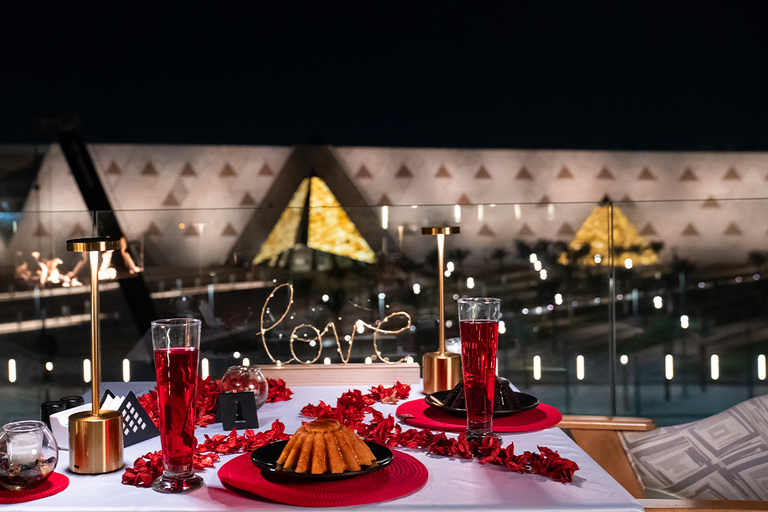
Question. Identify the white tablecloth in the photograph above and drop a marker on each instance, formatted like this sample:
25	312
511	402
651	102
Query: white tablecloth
453	484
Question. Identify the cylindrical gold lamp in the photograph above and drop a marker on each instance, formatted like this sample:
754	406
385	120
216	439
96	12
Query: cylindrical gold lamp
441	370
95	437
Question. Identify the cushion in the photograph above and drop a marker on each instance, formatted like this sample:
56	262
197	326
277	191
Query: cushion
724	456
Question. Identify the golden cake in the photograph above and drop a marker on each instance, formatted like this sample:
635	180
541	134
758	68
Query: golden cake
324	446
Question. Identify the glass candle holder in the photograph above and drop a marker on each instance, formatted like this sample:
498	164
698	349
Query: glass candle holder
28	454
238	379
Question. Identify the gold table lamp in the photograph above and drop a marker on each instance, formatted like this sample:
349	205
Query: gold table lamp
441	369
96	436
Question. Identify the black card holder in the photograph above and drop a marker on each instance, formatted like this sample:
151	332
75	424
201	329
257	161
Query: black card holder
238	410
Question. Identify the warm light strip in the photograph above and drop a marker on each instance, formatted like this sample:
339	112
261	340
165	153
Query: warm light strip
204	368
246	361
12	369
457	213
669	367
536	367
126	370
580	367
480	212
384	217
761	370
714	366
86	370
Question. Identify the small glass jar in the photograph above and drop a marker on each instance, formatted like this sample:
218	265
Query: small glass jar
238	379
28	454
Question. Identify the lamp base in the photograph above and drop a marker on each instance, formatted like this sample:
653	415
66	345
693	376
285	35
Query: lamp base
95	442
441	372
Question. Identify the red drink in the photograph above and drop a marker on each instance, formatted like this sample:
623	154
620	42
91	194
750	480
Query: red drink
176	371
479	339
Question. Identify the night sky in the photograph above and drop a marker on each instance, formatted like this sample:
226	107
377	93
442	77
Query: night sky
546	74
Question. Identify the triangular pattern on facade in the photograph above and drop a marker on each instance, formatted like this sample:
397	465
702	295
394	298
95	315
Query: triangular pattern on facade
544	201
442	172
329	228
171	200
77	231
152	230
525	231
113	169
229	230
710	202
688	175
646	175
227	171
485	230
482	173
732	229
363	172
627	201
384	201
191	231
406	229
403	172
463	200
247	200
40	231
266	170
149	170
523	174
564	174
565	230
690	230
648	230
605	174
188	171
732	175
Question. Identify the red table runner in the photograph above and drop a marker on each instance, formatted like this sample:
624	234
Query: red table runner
55	484
420	414
403	476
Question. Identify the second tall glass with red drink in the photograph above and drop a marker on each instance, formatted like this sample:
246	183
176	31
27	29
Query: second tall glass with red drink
479	328
176	343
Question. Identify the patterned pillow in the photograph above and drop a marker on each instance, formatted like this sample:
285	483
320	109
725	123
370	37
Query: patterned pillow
724	456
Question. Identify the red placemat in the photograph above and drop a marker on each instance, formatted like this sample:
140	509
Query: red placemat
55	484
404	475
420	414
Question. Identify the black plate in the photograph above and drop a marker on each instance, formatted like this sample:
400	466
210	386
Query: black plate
527	402
265	458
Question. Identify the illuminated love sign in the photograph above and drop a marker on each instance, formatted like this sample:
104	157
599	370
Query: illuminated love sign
329	327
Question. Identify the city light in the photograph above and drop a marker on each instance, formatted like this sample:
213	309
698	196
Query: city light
368	360
49	366
684	321
384	217
204	368
457	213
536	367
11	370
86	370
658	302
628	263
580	367
502	327
247	362
327	361
236	355
533	258
326	298
360	326
624	359
450	267
761	370
126	370
558	299
543	274
525	311
470	282
416	288
598	258
702	284
409	360
479	212
537	265
714	366
669	367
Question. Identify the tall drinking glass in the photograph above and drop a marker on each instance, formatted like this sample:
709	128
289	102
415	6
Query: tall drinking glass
479	328
176	342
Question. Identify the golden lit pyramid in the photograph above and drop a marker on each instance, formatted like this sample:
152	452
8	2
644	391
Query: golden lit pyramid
628	243
329	229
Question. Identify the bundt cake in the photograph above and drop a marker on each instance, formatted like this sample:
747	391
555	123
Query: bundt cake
504	398
324	446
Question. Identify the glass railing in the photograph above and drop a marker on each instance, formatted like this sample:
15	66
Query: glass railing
662	316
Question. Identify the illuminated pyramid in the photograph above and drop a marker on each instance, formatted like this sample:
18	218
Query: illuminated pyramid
328	228
628	243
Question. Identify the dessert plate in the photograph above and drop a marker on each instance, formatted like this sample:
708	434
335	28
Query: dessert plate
527	402
265	458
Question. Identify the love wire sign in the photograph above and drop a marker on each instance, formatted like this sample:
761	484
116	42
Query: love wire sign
329	327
